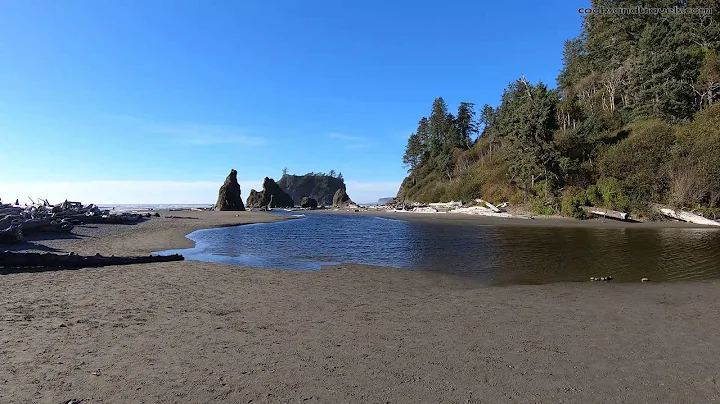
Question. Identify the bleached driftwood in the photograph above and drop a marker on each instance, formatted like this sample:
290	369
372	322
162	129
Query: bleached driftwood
614	214
686	216
489	205
18	221
446	205
482	211
426	209
9	259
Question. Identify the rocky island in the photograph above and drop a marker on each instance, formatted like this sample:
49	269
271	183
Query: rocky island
318	186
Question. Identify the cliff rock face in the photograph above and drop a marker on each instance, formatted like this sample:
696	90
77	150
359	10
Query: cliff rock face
383	201
341	199
320	187
229	194
309	203
254	200
271	196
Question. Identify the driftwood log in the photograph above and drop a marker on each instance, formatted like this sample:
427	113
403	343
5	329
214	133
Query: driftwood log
613	214
490	206
686	216
11	235
10	259
17	221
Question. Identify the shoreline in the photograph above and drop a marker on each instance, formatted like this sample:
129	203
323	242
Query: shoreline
193	331
536	221
142	238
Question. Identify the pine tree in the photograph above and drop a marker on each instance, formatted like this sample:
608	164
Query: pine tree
467	126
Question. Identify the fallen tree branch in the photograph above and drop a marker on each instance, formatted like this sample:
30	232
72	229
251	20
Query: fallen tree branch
613	214
679	214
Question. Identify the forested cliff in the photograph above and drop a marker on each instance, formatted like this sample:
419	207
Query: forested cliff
634	120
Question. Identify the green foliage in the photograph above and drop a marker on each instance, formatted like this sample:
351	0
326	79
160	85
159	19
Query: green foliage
611	194
634	121
640	160
695	167
572	199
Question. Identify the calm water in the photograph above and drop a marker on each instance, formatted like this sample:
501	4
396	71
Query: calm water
491	254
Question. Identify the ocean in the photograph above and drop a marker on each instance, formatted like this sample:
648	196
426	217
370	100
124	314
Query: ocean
150	206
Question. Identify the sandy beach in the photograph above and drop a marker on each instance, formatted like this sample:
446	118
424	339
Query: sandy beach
199	332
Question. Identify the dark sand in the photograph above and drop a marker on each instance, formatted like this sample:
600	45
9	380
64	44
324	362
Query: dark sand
198	332
536	221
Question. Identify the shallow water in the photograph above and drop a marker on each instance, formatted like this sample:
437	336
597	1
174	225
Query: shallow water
493	254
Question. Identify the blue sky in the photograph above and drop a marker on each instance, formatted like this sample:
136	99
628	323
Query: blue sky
155	101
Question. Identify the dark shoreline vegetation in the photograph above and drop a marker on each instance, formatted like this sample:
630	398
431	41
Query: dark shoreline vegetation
634	121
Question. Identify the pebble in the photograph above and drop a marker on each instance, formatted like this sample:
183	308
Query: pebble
644	280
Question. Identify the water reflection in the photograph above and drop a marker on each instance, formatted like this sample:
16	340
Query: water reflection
503	255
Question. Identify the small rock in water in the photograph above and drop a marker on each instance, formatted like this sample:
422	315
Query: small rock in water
592	278
644	280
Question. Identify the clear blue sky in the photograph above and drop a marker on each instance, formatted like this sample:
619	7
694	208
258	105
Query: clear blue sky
154	101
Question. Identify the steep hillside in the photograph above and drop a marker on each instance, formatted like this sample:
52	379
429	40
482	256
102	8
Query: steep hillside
634	121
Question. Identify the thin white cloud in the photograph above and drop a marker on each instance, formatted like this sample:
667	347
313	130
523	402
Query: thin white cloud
203	135
347	137
355	142
357	146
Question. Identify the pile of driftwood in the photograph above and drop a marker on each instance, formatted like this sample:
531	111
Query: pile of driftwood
677	214
19	260
17	221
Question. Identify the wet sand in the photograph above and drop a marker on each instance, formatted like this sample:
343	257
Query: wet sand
199	332
536	221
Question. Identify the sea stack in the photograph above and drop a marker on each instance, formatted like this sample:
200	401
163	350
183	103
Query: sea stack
229	195
308	203
341	199
271	196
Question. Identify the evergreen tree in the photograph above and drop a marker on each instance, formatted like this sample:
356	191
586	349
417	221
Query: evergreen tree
467	127
413	152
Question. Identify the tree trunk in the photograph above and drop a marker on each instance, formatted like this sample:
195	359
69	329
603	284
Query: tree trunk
686	216
9	259
605	212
